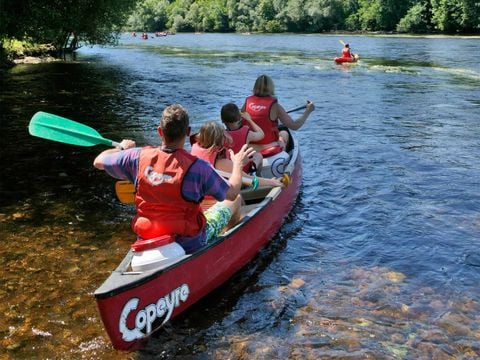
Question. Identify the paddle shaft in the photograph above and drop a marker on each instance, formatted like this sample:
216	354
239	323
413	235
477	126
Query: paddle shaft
344	43
297	108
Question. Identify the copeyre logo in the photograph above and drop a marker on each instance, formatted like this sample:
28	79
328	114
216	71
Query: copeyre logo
145	317
156	178
257	107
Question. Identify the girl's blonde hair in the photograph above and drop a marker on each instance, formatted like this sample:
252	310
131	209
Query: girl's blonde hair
212	136
264	86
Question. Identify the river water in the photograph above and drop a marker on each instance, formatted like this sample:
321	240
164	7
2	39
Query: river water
380	257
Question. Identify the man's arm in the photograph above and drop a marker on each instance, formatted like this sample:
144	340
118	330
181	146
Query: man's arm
99	161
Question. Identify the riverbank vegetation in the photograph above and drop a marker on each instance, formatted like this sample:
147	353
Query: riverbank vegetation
311	16
64	24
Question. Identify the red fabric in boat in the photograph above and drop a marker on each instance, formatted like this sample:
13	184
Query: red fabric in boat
272	150
142	245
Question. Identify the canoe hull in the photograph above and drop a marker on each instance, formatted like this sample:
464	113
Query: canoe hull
134	305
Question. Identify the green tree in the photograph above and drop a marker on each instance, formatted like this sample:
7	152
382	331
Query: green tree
54	21
324	15
149	15
456	15
380	14
243	15
416	20
215	16
178	11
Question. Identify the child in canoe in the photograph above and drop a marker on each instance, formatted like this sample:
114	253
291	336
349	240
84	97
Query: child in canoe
210	145
242	134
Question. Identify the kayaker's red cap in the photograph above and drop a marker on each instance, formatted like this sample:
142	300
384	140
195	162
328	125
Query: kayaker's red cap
148	244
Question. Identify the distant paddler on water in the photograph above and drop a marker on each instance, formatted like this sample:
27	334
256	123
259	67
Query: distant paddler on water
347	56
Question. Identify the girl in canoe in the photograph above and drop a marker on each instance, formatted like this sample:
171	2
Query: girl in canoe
266	112
242	134
211	144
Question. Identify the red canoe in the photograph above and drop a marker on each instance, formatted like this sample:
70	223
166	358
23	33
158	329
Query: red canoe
341	59
133	305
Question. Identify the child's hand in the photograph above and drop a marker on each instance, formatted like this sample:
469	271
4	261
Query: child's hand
245	115
243	156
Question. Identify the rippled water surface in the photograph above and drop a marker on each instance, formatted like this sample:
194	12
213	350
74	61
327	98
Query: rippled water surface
380	258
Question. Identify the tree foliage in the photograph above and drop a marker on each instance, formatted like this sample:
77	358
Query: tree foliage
449	16
98	21
57	21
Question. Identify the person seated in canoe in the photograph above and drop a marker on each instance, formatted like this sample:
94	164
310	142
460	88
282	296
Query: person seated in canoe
211	145
170	184
242	134
266	112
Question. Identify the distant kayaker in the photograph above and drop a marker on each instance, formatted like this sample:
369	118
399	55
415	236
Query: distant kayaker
346	52
266	112
242	134
170	184
211	144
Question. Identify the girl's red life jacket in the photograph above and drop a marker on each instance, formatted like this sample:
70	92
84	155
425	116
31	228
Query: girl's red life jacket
259	109
208	155
161	207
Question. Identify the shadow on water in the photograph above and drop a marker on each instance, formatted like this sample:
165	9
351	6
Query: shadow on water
54	207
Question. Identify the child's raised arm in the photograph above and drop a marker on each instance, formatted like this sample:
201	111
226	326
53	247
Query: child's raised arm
256	133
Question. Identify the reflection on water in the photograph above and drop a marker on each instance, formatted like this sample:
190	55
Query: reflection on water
378	259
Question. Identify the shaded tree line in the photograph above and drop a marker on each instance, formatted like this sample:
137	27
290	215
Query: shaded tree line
409	16
63	23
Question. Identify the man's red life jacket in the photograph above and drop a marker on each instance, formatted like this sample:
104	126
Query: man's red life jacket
161	207
259	109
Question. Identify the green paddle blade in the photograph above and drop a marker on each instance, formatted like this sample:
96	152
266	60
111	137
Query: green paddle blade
57	128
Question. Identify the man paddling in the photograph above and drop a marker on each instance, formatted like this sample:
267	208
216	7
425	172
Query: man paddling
170	184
